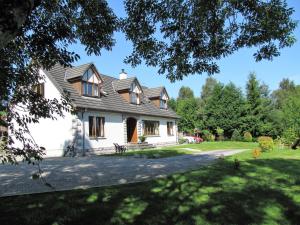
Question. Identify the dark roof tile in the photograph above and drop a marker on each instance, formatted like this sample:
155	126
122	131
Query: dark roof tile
113	102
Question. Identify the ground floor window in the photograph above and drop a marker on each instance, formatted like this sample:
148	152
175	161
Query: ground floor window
96	126
151	127
170	128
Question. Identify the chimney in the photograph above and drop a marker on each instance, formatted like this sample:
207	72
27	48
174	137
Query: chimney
123	75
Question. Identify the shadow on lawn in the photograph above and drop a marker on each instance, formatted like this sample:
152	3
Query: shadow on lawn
262	191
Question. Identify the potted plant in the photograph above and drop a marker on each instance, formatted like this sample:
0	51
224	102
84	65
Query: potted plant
142	139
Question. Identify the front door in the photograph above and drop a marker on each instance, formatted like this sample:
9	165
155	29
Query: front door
131	130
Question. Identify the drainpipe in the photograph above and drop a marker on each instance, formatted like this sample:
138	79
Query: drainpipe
83	132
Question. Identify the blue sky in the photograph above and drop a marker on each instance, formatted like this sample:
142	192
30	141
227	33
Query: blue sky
235	68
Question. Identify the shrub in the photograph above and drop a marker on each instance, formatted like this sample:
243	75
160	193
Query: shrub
279	143
247	137
220	133
182	140
142	138
236	136
266	143
211	137
256	153
206	135
289	136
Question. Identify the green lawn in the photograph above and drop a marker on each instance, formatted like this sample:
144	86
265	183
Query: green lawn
207	146
187	149
156	153
263	191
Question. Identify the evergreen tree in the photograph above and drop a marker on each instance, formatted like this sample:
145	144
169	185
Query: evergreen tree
207	88
185	93
172	104
257	120
225	108
187	110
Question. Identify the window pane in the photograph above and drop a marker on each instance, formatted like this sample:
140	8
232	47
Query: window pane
91	126
102	126
151	127
170	128
98	127
90	89
84	88
96	90
133	97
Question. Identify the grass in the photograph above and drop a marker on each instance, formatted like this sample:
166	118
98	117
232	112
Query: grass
156	153
207	146
187	149
263	191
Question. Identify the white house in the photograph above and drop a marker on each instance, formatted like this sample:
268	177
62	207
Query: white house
108	110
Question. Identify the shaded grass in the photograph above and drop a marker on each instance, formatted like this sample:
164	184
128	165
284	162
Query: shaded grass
263	191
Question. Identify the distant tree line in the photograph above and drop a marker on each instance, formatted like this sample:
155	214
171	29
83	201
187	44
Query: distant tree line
257	111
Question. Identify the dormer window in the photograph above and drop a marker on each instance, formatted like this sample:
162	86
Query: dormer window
90	84
163	100
135	94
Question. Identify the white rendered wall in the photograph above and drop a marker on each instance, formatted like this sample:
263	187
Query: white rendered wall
54	135
113	130
163	136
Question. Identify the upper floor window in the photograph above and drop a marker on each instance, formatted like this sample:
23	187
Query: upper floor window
135	94
90	84
39	89
163	101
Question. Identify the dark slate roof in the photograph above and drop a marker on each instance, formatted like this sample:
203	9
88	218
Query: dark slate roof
124	84
153	92
113	102
77	71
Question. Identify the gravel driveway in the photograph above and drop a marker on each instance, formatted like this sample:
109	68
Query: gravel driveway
85	172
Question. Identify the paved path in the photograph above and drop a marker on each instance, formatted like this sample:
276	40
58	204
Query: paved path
85	172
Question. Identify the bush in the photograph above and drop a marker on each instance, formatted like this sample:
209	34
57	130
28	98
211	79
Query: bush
247	137
279	143
220	133
211	137
182	140
142	138
236	136
266	143
289	136
206	135
256	153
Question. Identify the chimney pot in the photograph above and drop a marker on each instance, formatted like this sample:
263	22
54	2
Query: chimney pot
123	75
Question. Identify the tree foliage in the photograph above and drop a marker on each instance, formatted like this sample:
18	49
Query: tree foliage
200	32
187	110
179	37
185	93
207	88
42	42
224	109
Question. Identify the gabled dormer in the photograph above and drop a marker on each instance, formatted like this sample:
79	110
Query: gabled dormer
129	88
85	79
158	96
